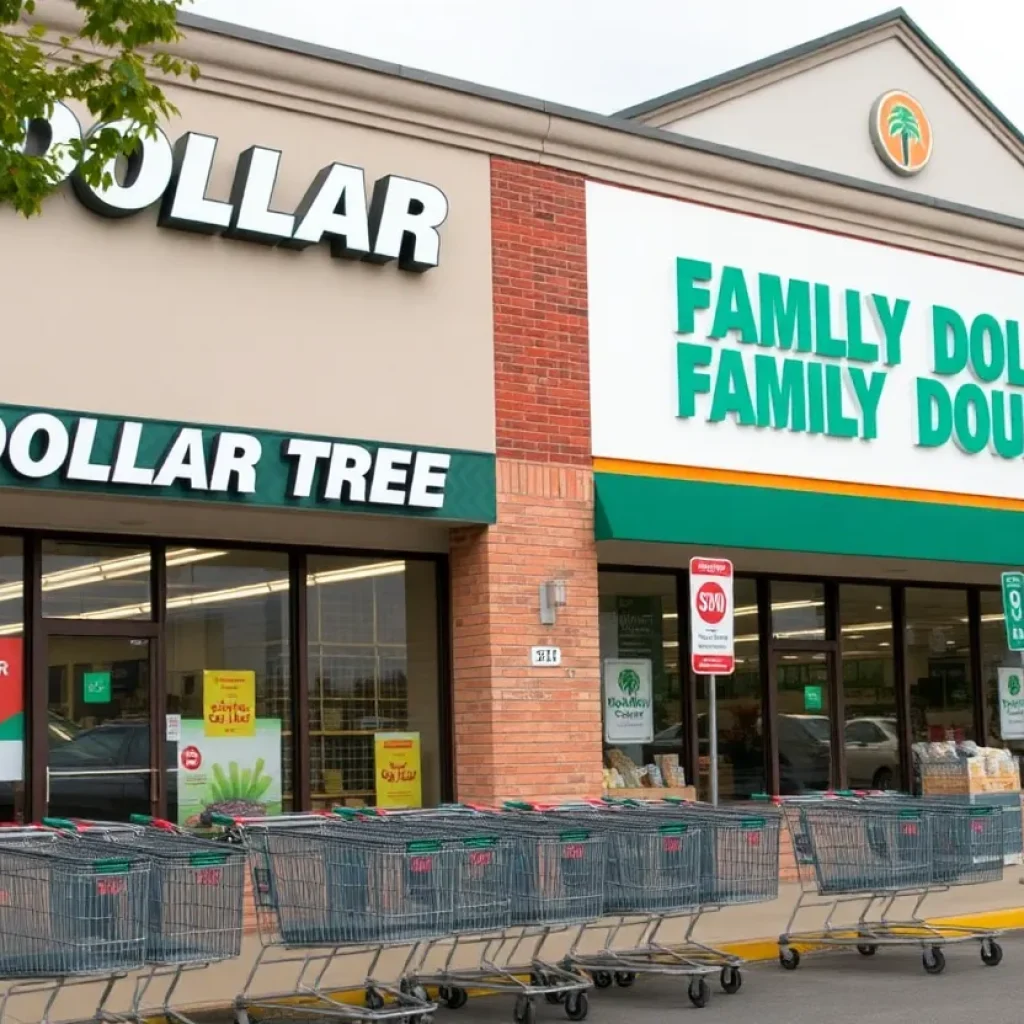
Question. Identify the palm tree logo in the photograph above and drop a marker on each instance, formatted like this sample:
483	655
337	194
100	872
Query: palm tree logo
629	682
904	124
901	132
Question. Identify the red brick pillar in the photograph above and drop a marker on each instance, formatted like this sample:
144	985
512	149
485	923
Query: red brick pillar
521	731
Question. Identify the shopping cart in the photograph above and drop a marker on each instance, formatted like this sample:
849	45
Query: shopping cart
873	849
554	881
327	895
737	855
196	901
70	913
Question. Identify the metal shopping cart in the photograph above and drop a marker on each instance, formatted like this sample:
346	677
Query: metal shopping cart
327	894
70	913
652	877
196	894
737	863
873	849
554	875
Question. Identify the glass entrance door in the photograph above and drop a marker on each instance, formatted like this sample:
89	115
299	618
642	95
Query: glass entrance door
99	758
802	724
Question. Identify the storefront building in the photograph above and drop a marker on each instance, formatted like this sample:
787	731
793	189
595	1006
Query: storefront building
235	439
364	384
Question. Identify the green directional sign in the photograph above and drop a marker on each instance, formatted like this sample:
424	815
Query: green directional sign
1013	609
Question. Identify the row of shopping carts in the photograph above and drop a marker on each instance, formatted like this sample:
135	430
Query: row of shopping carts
85	902
528	902
535	903
877	850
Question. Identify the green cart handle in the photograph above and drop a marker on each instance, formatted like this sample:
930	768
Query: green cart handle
64	824
518	805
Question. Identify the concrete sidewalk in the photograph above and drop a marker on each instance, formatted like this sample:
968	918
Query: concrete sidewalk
748	931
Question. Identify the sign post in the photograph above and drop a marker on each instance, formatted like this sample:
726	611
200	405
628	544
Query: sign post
712	651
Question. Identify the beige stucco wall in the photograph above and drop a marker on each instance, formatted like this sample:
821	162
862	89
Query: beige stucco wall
818	117
123	317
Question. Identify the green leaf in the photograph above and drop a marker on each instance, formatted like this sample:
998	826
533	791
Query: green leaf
244	782
236	785
106	66
220	780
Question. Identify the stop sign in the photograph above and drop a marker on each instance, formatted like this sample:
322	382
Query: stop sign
711	616
712	604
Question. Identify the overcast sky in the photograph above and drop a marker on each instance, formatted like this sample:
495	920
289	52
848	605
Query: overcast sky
603	55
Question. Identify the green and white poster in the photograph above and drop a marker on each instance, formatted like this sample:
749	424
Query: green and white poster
234	775
1011	704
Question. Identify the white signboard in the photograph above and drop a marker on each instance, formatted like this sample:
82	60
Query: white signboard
738	343
545	657
1011	704
711	617
628	700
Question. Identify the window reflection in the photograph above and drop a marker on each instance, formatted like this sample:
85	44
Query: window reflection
740	733
871	736
996	655
639	621
939	665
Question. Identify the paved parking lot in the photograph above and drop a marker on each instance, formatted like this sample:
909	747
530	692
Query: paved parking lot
890	988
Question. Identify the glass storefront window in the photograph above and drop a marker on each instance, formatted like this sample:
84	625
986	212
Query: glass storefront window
802	723
798	610
639	621
95	581
740	732
994	656
871	736
939	665
227	644
373	668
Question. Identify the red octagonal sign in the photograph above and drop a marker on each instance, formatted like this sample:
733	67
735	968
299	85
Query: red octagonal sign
711	617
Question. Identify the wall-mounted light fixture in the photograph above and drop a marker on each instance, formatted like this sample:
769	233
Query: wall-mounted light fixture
552	597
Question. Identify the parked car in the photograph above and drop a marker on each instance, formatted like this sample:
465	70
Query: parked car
101	772
872	753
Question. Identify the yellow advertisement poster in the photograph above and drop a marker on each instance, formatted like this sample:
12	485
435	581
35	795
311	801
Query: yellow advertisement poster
397	769
229	703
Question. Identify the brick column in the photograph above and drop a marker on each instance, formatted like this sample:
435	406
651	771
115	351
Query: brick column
519	731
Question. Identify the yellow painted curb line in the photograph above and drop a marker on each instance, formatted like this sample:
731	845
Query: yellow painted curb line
751	950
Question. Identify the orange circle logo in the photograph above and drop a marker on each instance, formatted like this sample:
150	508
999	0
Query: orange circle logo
901	132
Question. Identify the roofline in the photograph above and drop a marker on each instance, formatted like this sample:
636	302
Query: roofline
763	63
612	122
897	14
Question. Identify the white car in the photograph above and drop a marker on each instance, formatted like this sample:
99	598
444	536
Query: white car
872	753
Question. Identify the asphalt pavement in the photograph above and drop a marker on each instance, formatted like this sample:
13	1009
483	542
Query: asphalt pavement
833	988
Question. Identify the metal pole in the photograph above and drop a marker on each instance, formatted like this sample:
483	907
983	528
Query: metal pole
713	740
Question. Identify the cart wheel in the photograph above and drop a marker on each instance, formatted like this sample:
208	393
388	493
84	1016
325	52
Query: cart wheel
934	960
867	949
731	980
624	979
602	979
554	998
459	998
991	953
577	1006
374	1000
789	958
700	992
524	1012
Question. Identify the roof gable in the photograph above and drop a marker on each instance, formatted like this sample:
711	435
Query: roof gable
813	105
